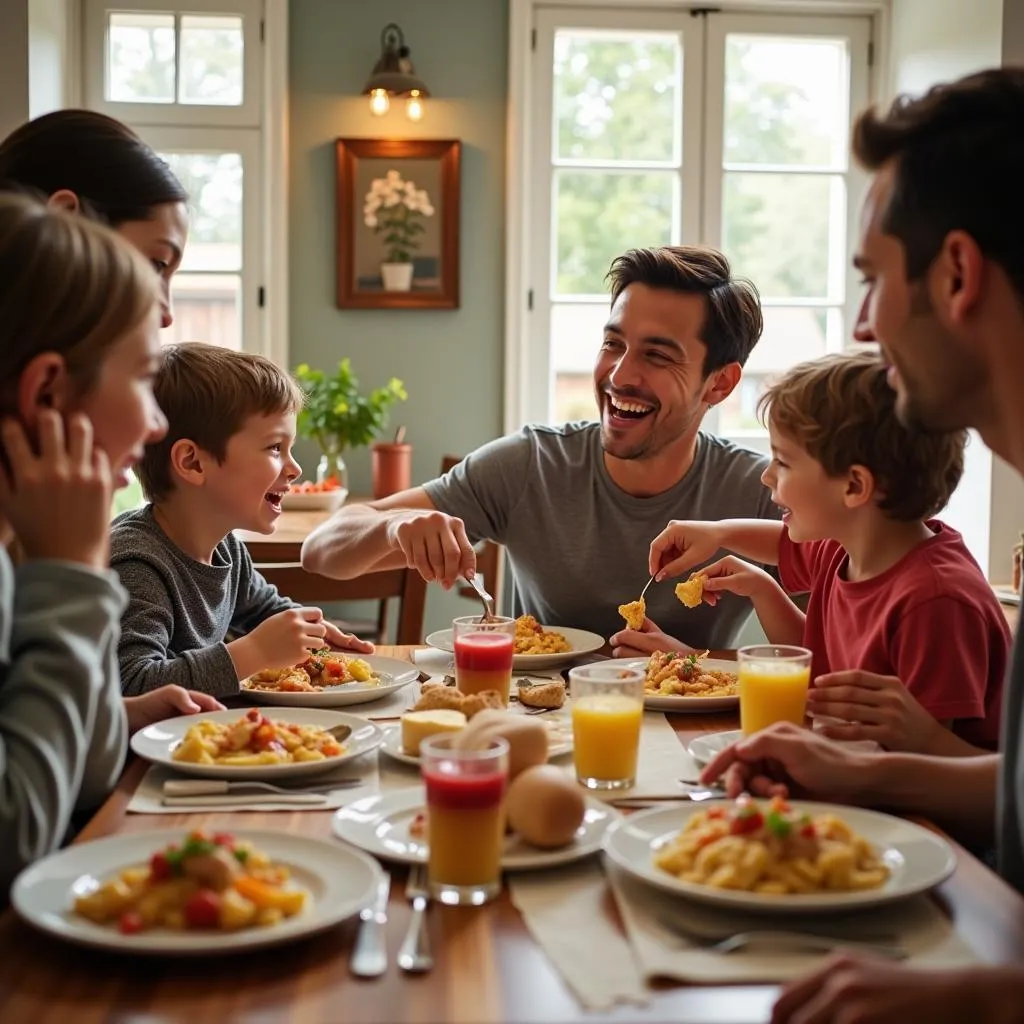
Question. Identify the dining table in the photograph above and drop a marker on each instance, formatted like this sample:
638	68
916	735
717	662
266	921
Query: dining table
487	967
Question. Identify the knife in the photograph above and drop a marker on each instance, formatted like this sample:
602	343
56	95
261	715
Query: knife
246	800
370	953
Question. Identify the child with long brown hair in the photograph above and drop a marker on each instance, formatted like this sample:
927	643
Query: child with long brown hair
79	322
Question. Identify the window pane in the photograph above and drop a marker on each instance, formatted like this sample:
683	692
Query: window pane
140	58
598	214
211	60
207	307
791	335
780	229
214	185
575	337
786	100
617	95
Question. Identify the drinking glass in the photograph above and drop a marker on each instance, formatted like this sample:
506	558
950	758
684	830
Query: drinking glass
773	683
465	818
607	709
483	654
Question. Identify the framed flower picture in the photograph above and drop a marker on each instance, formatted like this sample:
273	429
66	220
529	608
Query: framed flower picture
398	223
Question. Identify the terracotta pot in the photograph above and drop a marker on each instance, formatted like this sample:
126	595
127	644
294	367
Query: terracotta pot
392	468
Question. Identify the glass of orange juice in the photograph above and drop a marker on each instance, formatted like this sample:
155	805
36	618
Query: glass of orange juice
773	683
465	819
607	709
483	653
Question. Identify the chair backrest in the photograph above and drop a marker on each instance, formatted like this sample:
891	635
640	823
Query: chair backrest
305	587
489	556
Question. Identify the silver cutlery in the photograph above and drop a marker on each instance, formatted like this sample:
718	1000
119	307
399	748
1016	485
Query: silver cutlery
370	953
222	787
246	800
488	602
884	946
644	591
414	953
689	796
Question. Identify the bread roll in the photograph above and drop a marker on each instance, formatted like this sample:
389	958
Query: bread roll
527	738
545	806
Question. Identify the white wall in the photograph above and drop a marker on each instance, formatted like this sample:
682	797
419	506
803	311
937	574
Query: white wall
934	41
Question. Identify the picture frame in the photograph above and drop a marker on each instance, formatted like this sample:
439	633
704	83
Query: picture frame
397	236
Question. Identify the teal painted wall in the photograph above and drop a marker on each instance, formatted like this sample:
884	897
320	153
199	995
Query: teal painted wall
450	360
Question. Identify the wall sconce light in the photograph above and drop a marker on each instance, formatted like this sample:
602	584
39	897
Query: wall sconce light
394	75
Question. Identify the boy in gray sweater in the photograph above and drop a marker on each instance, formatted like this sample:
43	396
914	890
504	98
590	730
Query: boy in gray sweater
224	465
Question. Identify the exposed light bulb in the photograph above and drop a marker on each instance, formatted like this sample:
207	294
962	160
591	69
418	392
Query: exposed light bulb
380	103
414	106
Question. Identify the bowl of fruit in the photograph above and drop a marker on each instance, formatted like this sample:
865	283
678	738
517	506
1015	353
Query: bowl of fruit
308	496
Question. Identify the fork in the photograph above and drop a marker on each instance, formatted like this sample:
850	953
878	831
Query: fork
414	953
488	602
882	945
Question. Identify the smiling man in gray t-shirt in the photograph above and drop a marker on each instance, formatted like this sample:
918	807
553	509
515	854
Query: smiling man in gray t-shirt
578	506
578	544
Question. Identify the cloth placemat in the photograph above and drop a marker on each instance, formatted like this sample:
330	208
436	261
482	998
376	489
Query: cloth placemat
918	925
380	774
569	914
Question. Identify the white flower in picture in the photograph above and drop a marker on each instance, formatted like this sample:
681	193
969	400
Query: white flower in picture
395	208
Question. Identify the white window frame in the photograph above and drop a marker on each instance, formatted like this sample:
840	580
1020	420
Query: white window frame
845	292
523	282
247	114
257	128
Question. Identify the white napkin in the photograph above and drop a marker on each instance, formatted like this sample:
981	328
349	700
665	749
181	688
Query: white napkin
380	774
917	924
392	706
568	912
433	662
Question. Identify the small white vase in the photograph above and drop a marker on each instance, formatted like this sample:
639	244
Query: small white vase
397	277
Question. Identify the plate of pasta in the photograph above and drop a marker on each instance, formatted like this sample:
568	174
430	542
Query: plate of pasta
258	744
689	683
330	679
190	894
780	858
536	646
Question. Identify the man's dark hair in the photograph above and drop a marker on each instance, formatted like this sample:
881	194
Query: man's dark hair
959	165
733	321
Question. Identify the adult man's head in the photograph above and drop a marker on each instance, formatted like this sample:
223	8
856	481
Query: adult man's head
680	329
941	246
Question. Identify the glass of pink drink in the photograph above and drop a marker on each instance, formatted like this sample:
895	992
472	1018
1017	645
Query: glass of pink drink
483	654
465	819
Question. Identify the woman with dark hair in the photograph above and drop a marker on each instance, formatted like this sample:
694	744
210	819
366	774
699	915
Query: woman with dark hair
89	163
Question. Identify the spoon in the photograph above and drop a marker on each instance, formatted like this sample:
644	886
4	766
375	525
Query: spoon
340	732
485	599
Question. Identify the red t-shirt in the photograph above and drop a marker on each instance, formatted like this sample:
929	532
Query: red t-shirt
931	619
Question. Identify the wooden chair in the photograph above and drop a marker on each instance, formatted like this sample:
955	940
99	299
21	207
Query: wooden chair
309	588
489	557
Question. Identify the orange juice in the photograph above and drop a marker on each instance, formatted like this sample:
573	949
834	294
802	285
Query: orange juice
772	693
465	828
606	739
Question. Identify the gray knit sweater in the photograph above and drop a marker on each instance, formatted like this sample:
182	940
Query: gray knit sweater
181	611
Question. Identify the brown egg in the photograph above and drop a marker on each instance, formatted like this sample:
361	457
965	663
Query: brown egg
545	806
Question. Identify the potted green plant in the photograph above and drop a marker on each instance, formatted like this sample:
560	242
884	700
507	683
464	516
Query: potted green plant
338	417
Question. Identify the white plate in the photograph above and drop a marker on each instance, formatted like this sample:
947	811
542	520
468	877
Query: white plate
380	825
393	673
690	705
917	859
703	748
580	640
340	882
559	741
156	743
323	501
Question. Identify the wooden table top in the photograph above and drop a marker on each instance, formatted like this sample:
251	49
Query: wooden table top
488	968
